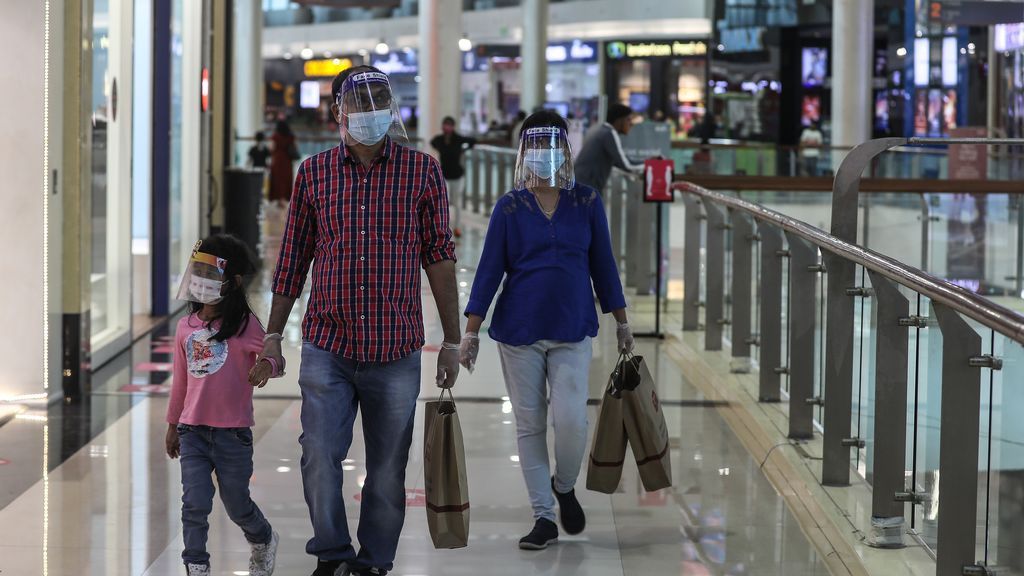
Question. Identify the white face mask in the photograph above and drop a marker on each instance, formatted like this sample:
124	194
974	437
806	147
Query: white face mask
544	163
205	290
369	128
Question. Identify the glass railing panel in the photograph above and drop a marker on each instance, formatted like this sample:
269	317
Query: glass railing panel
864	347
675	233
786	317
926	420
893	224
820	331
1003	524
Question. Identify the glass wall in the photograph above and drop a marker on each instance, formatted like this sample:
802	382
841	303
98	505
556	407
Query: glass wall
109	176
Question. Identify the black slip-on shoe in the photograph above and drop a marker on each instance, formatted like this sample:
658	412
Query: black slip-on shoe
570	513
544	533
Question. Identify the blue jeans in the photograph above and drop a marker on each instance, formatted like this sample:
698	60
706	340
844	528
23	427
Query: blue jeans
228	452
532	373
333	389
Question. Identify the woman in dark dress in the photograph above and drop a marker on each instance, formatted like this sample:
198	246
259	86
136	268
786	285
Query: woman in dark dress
283	155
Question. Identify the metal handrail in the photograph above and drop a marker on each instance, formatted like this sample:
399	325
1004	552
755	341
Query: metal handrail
971	305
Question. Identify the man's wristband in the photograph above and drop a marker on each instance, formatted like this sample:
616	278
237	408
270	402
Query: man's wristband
449	346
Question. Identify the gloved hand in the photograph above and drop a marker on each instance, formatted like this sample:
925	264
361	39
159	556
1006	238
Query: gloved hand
468	351
447	365
624	335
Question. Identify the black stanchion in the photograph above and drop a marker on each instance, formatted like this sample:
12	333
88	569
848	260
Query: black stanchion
657	334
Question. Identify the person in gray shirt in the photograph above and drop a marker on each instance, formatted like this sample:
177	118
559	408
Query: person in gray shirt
603	149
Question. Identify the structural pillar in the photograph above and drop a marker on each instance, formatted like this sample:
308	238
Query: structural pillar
440	89
534	67
853	34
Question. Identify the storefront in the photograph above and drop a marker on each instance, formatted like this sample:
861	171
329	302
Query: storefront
299	90
491	82
1008	41
659	79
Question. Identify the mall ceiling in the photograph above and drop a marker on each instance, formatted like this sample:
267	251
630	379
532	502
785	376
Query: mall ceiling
352	3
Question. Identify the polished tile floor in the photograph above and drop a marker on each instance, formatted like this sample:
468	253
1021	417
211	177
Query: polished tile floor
87	489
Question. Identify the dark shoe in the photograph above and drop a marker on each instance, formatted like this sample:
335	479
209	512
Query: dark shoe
570	513
544	532
327	567
370	572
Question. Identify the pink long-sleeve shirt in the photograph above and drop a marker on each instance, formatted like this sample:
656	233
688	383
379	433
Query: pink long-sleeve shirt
210	385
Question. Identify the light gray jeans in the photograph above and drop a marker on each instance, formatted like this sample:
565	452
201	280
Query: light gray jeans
530	371
455	188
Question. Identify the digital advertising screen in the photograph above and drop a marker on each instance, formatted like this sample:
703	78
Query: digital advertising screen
814	67
309	94
882	111
639	102
810	110
935	113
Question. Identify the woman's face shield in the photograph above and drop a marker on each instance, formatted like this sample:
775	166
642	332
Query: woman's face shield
367	110
203	279
545	159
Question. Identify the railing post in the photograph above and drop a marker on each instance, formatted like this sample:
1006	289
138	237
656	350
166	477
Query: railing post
803	279
772	257
890	429
614	201
714	314
632	232
471	183
742	294
958	444
837	388
491	183
691	263
504	180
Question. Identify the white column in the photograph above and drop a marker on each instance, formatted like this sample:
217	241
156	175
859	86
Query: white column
30	223
248	68
440	88
534	68
852	38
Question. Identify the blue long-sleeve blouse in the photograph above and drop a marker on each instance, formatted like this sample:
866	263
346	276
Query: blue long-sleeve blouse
548	266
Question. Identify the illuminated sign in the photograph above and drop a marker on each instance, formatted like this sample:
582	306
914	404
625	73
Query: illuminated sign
326	68
617	50
395	62
204	90
1009	37
575	51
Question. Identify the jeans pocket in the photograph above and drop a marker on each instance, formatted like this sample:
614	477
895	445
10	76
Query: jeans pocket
244	435
183	428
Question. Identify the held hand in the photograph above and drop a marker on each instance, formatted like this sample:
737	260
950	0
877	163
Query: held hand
261	373
468	351
447	365
172	442
272	349
624	335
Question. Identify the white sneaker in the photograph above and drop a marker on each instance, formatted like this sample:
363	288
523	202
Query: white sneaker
198	569
264	556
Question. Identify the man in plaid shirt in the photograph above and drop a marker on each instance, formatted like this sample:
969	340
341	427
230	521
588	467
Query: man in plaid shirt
367	215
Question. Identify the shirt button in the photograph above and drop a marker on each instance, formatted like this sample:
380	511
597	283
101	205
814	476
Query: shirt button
362	317
362	287
362	258
365	180
362	207
363	232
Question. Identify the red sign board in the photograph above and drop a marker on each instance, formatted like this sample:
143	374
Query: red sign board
968	161
658	180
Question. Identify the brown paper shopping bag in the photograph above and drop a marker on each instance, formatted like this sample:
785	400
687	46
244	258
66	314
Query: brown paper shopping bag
645	425
445	484
608	451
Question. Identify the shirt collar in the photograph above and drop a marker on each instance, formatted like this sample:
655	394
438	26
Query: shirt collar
384	153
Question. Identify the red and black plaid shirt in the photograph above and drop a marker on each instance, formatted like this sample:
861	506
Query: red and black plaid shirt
367	232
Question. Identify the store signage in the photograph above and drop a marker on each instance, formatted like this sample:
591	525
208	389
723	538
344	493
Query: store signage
404	62
750	39
648	140
1009	37
618	50
658	180
968	161
575	51
326	68
204	90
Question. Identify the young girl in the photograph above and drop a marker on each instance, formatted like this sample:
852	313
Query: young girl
210	413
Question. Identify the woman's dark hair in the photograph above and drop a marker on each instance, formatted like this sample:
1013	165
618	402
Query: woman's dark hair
283	128
545	118
233	310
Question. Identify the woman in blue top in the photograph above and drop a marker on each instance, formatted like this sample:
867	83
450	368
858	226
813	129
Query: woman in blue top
548	238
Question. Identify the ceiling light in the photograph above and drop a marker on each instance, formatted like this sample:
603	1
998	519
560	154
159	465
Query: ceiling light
901	51
287	56
465	44
328	54
382	48
307	53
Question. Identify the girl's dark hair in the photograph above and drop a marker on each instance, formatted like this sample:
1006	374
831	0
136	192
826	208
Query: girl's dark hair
283	128
233	310
544	118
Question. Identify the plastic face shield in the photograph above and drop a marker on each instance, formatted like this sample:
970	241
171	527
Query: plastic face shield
545	159
369	111
203	279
